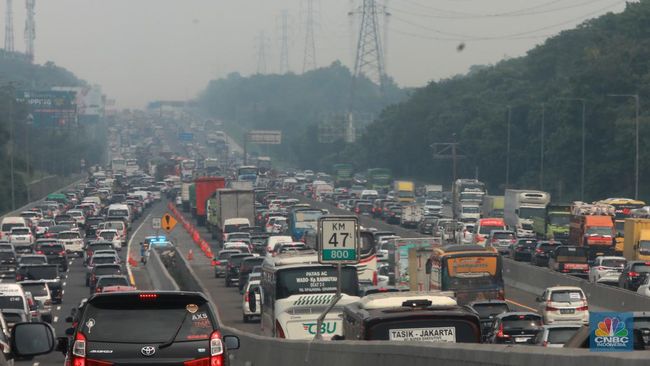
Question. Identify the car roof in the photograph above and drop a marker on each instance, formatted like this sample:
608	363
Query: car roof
397	299
563	325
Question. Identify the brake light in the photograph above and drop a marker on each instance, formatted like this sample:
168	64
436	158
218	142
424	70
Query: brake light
494	240
246	296
375	280
582	308
148	296
279	333
79	350
539	251
39	252
512	241
633	274
500	332
199	362
62	253
216	263
356	210
216	349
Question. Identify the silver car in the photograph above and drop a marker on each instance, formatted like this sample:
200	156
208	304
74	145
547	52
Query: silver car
555	335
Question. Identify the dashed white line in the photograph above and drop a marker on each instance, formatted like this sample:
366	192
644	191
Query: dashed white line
56	319
63	292
58	307
36	363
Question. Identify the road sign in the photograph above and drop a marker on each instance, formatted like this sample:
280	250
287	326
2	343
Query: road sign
186	136
264	137
339	239
156	223
168	222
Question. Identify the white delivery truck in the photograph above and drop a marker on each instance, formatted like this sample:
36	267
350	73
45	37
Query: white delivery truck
521	207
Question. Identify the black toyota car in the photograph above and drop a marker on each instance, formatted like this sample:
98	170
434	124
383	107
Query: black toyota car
154	328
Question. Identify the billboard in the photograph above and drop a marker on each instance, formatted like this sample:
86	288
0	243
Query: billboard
89	100
264	137
50	108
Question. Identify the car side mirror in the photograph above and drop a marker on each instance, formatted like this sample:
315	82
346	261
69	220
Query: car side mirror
32	339
252	300
231	342
539	299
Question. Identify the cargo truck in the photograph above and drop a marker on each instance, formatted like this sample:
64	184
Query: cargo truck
555	224
521	206
466	191
592	227
637	240
193	199
342	174
229	204
411	216
379	179
185	196
492	206
433	191
404	191
204	188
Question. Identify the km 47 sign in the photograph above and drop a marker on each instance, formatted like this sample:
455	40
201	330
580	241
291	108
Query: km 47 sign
339	239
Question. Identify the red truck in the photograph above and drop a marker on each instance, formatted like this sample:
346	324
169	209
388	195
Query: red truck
205	187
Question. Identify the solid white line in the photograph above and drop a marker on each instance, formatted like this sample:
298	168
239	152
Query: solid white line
56	319
128	247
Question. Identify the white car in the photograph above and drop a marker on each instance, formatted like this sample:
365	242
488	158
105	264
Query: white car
606	269
72	241
111	235
564	304
247	313
21	236
644	289
78	215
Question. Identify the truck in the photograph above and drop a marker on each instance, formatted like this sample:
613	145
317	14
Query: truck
555	224
227	204
637	239
343	174
492	206
185	196
404	191
466	191
193	199
379	179
521	206
592	227
469	212
623	209
433	191
204	188
411	215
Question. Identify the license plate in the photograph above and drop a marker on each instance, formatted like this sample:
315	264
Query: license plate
521	339
567	311
433	334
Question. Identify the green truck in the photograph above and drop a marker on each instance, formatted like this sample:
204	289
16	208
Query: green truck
343	174
379	179
555	224
193	199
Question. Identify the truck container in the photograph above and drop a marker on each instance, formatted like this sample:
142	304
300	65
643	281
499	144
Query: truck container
492	206
185	196
204	188
230	204
466	191
555	224
404	191
637	240
343	174
433	191
520	207
379	179
193	199
592	226
411	215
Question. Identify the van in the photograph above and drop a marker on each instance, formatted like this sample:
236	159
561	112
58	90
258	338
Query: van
12	296
273	240
369	194
9	223
119	210
93	199
410	317
484	227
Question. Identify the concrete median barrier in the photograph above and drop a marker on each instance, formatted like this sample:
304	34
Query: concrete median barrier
160	277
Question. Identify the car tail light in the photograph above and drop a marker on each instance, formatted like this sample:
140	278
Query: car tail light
216	349
148	296
216	263
551	308
494	240
374	278
39	252
79	350
200	362
582	308
600	268
633	274
62	253
246	297
279	333
512	241
500	332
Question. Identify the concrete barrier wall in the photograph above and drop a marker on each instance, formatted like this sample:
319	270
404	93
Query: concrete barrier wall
262	351
160	277
180	271
534	279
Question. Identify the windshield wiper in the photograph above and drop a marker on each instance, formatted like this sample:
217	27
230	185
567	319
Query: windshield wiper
171	340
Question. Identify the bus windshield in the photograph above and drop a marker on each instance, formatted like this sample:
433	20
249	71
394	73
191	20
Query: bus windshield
314	280
247	171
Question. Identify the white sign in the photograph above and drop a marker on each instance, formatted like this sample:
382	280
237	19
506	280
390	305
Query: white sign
339	239
265	137
441	334
156	223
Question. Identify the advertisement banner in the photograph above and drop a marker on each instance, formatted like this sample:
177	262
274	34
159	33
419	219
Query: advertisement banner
611	332
50	108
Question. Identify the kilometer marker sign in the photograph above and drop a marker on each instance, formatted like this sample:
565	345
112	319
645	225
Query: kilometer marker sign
339	239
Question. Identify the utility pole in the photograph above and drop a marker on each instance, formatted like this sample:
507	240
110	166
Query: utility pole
30	29
9	26
584	126
448	151
636	140
541	149
284	42
508	148
309	57
386	16
262	45
13	147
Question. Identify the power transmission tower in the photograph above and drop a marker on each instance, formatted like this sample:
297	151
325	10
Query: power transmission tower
30	29
9	26
386	16
370	57
262	46
284	42
309	58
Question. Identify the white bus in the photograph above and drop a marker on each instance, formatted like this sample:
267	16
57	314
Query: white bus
296	289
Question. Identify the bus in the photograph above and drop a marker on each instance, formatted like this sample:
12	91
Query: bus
471	271
296	289
623	208
379	179
247	173
187	170
342	174
118	165
131	166
302	221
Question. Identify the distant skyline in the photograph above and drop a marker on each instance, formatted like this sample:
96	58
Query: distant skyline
143	50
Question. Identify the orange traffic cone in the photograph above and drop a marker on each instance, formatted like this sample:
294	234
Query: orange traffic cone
190	255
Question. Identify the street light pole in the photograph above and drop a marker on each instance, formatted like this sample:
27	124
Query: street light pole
508	148
541	149
584	123
636	140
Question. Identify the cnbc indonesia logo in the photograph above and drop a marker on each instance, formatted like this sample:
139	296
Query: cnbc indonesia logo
611	333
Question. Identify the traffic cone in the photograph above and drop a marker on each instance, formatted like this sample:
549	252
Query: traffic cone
190	255
133	262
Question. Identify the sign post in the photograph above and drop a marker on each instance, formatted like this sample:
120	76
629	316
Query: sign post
338	243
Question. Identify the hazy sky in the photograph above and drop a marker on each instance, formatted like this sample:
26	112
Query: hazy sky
142	50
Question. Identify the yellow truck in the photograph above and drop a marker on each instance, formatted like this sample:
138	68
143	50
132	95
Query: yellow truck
404	191
637	239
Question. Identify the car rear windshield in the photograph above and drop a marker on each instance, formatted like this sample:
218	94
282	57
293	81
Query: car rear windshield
103	271
20	231
566	296
12	318
11	302
521	322
487	310
8	227
113	281
51	247
225	255
41	272
103	260
101	247
560	335
613	262
233	228
641	267
69	236
33	260
108	235
248	264
37	289
146	322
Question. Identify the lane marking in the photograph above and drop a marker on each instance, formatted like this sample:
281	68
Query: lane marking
63	292
36	363
521	305
58	307
128	248
56	319
64	283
